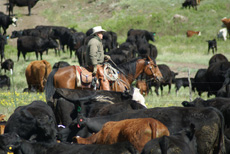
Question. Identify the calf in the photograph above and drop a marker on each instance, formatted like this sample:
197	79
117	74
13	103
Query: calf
4	81
179	82
190	33
183	142
7	65
212	45
189	3
222	34
168	77
30	43
6	21
137	131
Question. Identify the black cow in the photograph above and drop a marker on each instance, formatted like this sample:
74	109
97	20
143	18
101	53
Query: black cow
76	40
215	76
30	32
3	42
81	55
224	91
212	44
58	32
183	142
190	3
7	65
4	81
218	58
168	77
60	64
21	3
35	121
146	49
109	41
200	82
12	143
208	122
179	82
90	103
6	21
137	33
222	104
123	54
30	43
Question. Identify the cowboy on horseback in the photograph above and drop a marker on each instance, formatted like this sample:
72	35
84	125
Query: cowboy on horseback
95	57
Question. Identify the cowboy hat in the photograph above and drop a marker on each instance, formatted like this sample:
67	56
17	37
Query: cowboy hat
98	29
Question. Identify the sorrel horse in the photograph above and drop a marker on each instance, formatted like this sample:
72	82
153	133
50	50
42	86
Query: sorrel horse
66	77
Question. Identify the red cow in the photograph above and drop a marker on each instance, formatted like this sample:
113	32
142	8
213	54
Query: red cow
137	131
37	73
190	33
226	22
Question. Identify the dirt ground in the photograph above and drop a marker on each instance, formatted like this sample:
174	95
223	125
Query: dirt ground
25	21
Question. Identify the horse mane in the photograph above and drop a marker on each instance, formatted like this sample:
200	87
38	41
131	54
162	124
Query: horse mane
130	66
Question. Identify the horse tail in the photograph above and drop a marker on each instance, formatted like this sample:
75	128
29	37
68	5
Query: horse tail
49	86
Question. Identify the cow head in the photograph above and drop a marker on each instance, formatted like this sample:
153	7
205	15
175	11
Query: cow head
14	21
9	142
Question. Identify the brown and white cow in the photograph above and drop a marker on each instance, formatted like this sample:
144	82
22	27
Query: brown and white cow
37	73
190	33
137	131
226	23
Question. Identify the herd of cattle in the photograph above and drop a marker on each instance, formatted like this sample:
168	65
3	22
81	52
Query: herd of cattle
101	122
85	121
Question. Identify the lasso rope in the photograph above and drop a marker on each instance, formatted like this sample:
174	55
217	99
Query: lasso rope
110	73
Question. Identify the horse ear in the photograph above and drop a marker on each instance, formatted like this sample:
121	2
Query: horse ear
149	58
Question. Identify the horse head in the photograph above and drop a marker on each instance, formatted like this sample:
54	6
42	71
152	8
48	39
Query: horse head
151	69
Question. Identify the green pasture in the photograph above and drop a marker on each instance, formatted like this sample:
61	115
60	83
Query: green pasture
119	16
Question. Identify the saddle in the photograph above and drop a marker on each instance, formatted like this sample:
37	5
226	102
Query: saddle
84	77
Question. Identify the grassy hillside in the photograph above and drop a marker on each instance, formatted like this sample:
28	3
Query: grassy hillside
174	48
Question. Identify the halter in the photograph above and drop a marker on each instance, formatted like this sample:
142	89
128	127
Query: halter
152	69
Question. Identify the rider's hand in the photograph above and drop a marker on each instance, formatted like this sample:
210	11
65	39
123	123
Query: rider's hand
106	58
94	70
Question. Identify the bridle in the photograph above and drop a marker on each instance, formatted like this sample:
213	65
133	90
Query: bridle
150	67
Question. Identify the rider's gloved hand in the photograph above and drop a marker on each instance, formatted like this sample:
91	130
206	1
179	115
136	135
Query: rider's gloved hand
107	58
94	70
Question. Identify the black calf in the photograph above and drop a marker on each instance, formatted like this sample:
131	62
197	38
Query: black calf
212	45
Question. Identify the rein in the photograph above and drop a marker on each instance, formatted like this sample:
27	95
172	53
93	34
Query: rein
120	69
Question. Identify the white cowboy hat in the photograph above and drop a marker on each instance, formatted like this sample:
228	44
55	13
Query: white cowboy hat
98	29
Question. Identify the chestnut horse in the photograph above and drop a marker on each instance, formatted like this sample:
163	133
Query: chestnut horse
66	77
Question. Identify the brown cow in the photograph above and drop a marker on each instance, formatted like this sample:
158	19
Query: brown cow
226	22
142	85
190	33
37	73
137	131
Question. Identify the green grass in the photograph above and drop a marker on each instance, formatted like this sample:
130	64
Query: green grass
120	16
